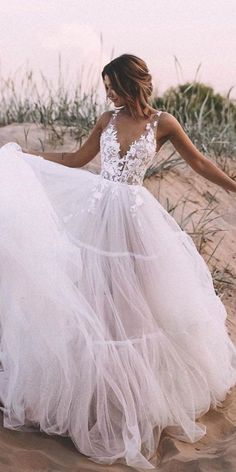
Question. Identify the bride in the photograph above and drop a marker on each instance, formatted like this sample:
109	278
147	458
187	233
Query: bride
111	330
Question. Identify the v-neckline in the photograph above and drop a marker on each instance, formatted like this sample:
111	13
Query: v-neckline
135	141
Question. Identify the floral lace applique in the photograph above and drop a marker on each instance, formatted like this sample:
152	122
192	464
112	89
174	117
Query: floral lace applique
136	200
131	167
128	169
134	194
96	194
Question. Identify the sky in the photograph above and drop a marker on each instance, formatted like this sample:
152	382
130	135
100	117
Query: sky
178	39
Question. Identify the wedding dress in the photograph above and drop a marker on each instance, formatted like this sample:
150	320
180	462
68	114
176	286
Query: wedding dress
110	326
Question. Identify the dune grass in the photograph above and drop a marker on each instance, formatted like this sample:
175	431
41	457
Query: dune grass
203	225
208	118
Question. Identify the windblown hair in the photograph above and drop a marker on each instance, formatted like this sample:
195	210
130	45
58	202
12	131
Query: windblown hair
130	78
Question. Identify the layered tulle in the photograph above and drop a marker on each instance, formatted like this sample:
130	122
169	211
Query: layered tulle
111	329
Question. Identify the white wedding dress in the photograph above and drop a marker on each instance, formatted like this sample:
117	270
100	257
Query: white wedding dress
110	326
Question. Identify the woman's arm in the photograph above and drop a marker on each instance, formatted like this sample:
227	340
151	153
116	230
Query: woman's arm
82	156
172	130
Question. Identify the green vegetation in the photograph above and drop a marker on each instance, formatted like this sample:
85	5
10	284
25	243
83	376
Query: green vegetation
208	118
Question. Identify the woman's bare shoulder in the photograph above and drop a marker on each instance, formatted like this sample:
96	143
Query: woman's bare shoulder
104	119
167	124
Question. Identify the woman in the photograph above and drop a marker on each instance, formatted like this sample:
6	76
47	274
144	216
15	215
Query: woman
111	329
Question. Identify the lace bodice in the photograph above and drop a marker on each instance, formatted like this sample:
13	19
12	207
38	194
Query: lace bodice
131	167
128	169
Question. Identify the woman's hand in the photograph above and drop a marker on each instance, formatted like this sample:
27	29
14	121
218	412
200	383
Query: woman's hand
32	153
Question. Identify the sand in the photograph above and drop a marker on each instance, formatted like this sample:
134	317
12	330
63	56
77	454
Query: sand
36	451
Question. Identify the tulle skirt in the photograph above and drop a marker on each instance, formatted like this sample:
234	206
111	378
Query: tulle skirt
110	328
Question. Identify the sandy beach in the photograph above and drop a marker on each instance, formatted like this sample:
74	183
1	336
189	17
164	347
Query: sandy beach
36	451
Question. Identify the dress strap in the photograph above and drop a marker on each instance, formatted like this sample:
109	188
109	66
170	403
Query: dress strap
116	111
111	119
114	114
155	121
156	117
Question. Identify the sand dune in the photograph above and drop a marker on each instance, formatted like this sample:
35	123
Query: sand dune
27	452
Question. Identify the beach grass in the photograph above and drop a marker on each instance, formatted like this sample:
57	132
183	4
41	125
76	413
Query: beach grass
208	118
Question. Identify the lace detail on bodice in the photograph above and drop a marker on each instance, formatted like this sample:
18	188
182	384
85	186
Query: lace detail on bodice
131	167
128	169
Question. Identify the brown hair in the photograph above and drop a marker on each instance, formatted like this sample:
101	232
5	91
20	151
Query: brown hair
130	78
